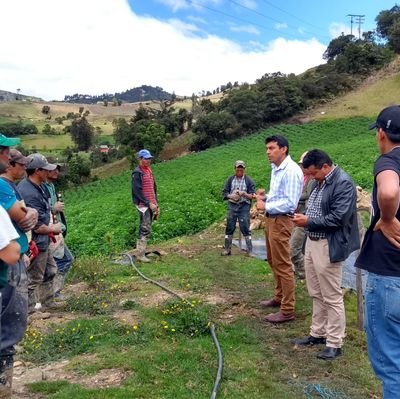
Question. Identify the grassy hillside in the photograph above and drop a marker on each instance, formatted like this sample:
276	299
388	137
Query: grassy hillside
102	219
378	91
31	112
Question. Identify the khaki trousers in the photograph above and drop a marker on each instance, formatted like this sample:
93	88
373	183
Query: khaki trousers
324	287
277	235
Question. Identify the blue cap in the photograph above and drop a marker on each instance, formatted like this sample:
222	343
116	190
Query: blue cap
145	154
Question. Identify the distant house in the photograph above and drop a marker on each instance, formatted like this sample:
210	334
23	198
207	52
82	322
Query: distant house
104	149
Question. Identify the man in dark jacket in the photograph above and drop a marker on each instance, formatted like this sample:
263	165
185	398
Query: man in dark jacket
238	190
332	234
144	196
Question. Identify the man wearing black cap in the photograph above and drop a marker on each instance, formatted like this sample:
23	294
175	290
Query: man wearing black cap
238	190
43	268
144	196
380	256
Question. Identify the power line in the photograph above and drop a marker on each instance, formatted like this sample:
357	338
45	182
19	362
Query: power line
247	21
293	16
241	19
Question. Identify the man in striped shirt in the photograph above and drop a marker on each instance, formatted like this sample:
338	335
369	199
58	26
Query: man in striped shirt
285	189
144	195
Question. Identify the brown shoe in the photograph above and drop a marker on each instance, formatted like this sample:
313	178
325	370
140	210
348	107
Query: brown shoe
270	303
279	317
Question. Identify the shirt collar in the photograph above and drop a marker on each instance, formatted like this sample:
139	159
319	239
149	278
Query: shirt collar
283	165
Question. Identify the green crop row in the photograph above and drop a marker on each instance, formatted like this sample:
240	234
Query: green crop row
103	220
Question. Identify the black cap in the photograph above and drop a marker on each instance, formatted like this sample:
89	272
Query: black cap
388	120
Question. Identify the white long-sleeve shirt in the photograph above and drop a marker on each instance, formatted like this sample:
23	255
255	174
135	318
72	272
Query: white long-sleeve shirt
285	189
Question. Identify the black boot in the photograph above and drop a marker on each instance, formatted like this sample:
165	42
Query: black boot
249	245
227	246
6	374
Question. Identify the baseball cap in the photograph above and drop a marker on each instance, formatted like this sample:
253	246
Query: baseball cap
8	141
302	157
240	163
38	161
388	120
145	154
16	156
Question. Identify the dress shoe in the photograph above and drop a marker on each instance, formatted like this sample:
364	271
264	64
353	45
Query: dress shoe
270	303
329	353
279	317
309	341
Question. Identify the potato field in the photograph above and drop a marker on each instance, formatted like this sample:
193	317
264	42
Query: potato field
102	218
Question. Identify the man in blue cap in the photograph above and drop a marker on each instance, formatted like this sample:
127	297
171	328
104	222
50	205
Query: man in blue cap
380	256
144	196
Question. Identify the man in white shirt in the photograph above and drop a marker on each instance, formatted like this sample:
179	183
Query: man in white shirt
285	189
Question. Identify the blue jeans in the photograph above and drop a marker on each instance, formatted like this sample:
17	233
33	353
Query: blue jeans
238	212
64	264
382	323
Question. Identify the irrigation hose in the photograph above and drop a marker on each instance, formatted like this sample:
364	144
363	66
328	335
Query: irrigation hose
212	326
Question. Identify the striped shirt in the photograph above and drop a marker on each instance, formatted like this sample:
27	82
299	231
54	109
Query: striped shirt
148	186
285	189
314	209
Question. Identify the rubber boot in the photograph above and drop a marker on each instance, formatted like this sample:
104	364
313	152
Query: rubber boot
249	245
227	246
6	374
34	303
141	246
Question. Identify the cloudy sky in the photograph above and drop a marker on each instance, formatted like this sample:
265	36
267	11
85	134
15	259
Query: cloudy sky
50	48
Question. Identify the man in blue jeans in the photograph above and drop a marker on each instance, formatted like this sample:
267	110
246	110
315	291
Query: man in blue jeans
238	190
380	256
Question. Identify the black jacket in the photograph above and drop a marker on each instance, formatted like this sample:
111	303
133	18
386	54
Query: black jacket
137	187
339	220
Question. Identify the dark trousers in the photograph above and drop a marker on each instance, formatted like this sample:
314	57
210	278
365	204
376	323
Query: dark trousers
64	264
239	212
145	221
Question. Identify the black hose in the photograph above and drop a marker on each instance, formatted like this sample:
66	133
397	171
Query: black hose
212	326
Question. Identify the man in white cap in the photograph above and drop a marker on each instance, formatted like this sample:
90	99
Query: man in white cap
43	268
144	196
239	190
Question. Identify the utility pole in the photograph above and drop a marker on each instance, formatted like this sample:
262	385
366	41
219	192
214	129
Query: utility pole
357	19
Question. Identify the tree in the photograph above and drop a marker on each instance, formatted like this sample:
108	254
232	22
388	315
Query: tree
388	27
78	169
45	109
337	46
82	133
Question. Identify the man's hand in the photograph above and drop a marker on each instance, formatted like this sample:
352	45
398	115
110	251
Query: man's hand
30	219
56	228
300	220
390	229
58	207
153	207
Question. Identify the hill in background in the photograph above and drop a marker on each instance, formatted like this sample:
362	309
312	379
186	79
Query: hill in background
137	94
10	96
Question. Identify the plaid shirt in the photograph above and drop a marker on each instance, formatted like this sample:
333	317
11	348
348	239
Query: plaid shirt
239	184
314	209
285	188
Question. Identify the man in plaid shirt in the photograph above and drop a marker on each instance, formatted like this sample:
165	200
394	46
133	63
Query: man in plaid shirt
332	234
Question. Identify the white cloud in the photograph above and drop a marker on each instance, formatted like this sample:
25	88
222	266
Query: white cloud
281	25
249	4
337	28
175	5
245	28
97	46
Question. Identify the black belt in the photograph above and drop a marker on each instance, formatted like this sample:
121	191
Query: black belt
275	215
316	238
